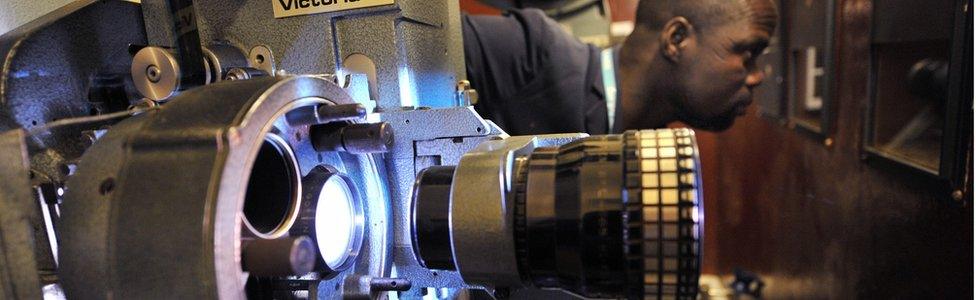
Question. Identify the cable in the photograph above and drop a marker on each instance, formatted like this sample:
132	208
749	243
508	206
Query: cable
85	120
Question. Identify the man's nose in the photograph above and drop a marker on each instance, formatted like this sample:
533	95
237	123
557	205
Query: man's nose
755	78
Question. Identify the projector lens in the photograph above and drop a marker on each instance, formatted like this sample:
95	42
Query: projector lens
332	215
335	221
613	216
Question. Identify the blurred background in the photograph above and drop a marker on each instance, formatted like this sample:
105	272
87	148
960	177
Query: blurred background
849	178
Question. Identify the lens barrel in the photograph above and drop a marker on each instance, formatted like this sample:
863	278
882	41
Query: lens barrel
431	210
613	216
569	228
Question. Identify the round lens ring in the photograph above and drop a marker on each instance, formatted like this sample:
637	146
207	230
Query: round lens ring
332	215
272	200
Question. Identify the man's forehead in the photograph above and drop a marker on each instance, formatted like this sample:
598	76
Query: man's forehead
762	15
755	20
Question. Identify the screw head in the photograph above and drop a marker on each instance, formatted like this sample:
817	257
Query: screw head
153	73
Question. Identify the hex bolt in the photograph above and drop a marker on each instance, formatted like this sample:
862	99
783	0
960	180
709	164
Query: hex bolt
243	73
288	256
326	114
389	284
353	138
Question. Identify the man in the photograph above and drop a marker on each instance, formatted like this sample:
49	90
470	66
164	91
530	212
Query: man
686	60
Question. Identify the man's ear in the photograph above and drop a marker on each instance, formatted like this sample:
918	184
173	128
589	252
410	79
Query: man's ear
675	36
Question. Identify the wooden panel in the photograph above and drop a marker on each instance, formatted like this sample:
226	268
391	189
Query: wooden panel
817	222
912	20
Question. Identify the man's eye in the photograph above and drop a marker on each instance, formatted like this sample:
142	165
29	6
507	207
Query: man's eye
748	56
756	53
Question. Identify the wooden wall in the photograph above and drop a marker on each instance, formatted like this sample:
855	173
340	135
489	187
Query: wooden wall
816	221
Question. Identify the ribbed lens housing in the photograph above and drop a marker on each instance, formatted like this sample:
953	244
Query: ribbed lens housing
612	216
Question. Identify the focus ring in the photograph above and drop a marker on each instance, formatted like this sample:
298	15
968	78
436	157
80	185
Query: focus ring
520	228
664	225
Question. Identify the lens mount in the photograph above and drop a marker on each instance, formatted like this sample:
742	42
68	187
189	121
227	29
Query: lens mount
429	216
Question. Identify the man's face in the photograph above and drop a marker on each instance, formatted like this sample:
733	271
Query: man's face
720	72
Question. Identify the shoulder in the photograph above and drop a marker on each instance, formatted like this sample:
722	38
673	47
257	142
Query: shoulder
512	48
529	27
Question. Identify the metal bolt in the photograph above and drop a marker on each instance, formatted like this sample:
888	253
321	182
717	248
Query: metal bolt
342	112
153	73
353	138
236	74
243	73
326	114
389	284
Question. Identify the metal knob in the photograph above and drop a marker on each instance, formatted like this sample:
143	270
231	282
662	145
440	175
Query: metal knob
353	138
287	256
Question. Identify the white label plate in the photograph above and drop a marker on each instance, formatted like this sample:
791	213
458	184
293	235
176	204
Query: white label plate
289	8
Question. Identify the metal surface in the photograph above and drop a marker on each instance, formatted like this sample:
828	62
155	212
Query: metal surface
430	218
476	224
227	131
47	64
416	130
288	256
19	278
261	58
353	138
222	59
415	45
327	114
389	284
17	13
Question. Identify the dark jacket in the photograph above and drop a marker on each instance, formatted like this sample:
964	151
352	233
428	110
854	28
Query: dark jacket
532	77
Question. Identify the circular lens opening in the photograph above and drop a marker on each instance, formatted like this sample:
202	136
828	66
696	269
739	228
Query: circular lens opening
338	223
271	203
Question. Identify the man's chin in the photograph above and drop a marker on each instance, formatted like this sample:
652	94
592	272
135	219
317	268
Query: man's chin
714	124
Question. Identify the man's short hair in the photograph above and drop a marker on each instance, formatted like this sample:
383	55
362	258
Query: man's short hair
703	14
